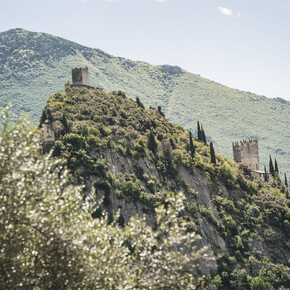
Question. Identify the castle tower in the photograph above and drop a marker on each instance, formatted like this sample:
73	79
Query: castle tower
247	151
80	76
48	137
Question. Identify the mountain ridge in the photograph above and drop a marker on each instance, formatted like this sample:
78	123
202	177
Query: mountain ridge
33	69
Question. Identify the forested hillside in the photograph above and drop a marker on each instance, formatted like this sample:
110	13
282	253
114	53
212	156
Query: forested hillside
132	157
34	65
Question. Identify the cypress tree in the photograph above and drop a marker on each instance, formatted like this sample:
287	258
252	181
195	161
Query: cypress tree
276	166
266	176
198	131
160	111
271	167
172	143
152	144
191	146
212	154
202	133
65	124
139	103
286	182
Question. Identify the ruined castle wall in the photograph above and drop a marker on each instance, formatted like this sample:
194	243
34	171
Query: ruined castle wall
48	137
261	175
250	153
85	76
247	152
237	152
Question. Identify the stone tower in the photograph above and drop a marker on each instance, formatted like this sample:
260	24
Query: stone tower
247	151
80	76
48	137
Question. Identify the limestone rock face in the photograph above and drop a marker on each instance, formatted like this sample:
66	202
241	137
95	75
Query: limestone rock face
105	139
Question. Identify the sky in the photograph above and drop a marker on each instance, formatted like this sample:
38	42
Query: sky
244	44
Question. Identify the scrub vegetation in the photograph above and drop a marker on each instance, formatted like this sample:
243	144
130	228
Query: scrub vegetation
127	154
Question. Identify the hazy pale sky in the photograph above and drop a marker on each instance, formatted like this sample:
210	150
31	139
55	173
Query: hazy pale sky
244	44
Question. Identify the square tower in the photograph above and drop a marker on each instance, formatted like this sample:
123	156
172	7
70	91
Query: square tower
80	76
48	137
247	151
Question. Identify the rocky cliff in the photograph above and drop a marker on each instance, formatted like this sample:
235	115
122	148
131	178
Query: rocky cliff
132	156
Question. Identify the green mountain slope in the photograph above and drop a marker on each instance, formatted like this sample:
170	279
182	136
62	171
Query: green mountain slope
34	65
132	156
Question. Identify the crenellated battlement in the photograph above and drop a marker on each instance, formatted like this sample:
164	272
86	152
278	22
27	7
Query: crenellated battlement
247	151
245	142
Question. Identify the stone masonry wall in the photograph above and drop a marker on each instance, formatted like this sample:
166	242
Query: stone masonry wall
48	137
80	77
247	151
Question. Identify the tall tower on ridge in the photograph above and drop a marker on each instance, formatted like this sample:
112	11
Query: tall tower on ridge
80	76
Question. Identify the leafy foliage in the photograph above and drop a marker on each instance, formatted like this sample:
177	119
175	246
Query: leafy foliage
49	239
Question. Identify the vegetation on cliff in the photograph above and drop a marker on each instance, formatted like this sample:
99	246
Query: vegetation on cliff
49	239
34	65
132	156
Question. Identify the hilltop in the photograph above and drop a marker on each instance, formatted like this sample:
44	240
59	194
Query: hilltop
34	65
132	156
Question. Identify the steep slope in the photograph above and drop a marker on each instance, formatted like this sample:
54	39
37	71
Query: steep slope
34	65
132	156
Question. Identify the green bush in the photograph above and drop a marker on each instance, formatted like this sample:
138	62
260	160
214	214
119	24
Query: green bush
151	184
228	175
269	235
258	283
97	118
58	148
128	186
93	131
180	128
75	140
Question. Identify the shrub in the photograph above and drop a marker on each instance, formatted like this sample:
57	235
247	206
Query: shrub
180	128
228	175
258	283
97	118
107	131
58	148
139	147
239	278
151	185
75	140
123	114
93	131
269	235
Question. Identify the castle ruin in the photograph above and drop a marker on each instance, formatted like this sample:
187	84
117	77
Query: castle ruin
48	137
247	151
80	77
